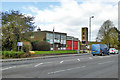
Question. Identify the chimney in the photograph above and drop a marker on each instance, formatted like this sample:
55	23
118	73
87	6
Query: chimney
38	29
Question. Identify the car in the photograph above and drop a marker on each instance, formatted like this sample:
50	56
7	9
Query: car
99	49
113	50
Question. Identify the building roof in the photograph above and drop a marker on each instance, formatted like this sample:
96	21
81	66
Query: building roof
70	38
52	32
84	27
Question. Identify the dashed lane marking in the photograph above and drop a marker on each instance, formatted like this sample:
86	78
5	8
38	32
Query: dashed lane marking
66	70
61	61
78	59
38	64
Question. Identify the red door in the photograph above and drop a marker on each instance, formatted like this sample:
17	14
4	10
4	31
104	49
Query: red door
75	45
69	45
56	47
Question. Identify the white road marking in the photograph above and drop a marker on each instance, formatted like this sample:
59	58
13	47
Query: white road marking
78	59
9	68
65	70
61	61
38	64
100	56
106	62
90	58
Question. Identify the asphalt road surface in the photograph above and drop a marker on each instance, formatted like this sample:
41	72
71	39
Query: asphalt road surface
85	66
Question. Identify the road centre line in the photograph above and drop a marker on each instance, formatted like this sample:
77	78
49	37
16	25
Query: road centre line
65	70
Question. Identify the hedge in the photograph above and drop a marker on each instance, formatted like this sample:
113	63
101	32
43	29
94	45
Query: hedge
40	46
12	54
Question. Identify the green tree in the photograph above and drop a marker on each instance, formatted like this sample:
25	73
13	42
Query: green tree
104	30
108	34
14	24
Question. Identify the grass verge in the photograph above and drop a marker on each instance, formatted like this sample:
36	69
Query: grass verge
55	52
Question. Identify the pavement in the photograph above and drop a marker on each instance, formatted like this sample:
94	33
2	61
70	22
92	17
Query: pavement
73	66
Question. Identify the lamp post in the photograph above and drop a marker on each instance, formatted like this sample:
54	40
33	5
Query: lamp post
90	30
53	38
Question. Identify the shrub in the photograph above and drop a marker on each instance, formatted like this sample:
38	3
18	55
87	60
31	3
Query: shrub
12	54
27	46
40	46
34	45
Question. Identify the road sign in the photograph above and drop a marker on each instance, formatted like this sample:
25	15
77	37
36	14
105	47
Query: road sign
19	43
48	40
88	46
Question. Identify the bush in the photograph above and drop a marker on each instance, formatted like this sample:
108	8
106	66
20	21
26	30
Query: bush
12	54
34	45
40	46
27	47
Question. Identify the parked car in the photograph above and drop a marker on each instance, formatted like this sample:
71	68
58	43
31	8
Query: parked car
113	50
99	49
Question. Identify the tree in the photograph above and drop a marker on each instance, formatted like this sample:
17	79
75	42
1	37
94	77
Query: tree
14	24
108	34
104	30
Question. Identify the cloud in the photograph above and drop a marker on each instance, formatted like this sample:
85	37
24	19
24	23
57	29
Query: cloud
71	16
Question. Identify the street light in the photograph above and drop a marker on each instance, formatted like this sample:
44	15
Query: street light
90	30
53	38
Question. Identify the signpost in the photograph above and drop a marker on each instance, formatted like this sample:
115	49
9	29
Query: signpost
19	44
48	40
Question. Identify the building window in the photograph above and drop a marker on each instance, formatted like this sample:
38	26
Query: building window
83	37
83	42
83	33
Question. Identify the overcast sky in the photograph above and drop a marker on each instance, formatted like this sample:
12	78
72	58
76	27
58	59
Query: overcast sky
68	16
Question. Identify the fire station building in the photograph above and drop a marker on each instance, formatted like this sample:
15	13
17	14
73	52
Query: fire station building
57	40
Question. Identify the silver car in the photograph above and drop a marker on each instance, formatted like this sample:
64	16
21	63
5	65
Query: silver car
113	50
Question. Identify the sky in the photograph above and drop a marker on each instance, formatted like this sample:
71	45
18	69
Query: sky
67	16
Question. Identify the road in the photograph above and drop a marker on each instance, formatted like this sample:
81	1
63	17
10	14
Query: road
85	66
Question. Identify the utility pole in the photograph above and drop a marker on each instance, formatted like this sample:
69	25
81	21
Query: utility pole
78	46
72	43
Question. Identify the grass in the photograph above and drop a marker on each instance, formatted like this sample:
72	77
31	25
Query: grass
55	52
